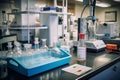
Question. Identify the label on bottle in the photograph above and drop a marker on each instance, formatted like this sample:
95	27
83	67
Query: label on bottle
81	53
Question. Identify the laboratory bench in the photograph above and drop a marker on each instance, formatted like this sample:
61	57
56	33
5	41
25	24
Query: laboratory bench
104	65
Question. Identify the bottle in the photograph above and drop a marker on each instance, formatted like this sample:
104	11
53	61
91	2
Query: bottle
10	51
44	47
17	49
81	48
36	42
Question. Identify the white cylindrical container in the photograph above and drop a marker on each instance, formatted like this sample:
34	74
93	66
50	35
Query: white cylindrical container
81	53
81	48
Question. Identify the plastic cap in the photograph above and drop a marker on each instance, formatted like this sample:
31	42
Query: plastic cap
81	36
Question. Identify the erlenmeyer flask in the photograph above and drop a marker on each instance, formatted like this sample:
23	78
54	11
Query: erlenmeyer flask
10	52
17	50
28	51
44	47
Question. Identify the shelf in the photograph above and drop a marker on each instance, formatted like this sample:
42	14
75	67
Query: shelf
51	12
38	12
28	27
3	27
25	12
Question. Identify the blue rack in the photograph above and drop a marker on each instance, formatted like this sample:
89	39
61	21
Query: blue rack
38	63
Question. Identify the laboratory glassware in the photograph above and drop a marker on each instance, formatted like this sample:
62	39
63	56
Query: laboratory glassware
10	51
27	50
17	52
36	42
44	47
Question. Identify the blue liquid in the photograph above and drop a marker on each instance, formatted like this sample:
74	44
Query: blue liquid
38	59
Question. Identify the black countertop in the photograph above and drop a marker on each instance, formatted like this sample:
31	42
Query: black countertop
97	61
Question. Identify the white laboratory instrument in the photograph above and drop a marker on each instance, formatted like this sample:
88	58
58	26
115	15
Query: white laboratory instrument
95	46
110	28
92	43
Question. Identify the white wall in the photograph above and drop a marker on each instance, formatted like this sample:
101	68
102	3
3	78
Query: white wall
78	10
99	12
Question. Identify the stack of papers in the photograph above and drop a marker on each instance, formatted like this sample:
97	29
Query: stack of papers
77	69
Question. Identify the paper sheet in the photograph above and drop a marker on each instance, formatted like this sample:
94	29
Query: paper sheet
77	69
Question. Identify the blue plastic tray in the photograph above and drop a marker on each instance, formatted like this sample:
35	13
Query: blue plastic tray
38	63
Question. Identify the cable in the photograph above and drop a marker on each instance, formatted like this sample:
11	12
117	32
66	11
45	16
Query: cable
83	10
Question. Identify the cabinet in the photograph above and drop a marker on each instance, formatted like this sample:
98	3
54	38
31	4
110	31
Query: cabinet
111	73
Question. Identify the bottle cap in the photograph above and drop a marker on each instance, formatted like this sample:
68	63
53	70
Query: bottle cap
81	36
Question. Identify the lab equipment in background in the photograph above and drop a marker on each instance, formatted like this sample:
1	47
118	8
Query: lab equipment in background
82	27
81	47
5	36
56	21
95	46
92	22
109	29
92	43
5	24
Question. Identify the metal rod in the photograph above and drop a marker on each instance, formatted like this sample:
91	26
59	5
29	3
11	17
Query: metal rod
28	21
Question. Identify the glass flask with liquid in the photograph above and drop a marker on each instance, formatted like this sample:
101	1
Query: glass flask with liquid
10	51
44	47
17	52
27	50
36	45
